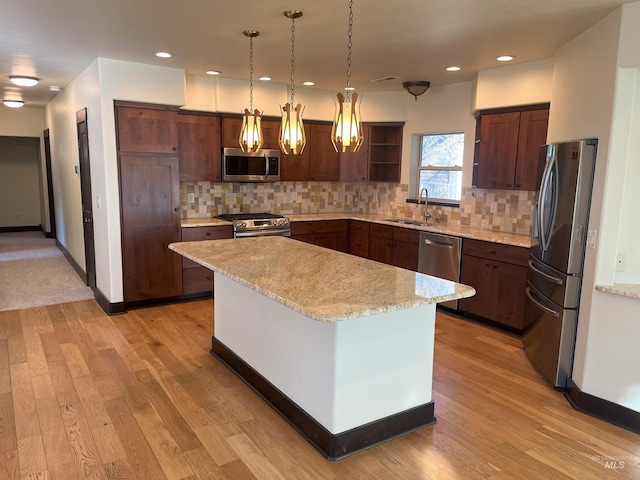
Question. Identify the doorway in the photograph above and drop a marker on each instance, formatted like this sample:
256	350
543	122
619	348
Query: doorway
49	173
85	193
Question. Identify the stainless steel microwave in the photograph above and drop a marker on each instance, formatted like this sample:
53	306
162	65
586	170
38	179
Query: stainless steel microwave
260	166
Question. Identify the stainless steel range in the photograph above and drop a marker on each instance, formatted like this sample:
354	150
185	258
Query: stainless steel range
257	224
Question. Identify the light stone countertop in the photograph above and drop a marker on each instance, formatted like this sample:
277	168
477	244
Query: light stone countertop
631	290
317	282
514	239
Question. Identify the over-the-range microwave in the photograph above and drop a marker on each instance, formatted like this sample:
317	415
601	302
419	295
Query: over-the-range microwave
260	166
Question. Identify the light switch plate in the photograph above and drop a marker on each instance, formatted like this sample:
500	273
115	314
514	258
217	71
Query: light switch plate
591	238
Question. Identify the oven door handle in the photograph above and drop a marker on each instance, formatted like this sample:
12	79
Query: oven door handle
283	232
539	305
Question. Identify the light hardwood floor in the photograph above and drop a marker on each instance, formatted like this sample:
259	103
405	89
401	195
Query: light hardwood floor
138	396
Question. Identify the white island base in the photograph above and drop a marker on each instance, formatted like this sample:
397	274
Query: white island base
345	385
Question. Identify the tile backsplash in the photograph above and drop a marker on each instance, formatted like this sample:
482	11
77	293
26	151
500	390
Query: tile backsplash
499	210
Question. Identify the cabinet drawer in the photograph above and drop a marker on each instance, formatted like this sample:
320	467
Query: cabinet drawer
496	251
379	230
197	280
359	244
406	235
322	226
358	226
195	234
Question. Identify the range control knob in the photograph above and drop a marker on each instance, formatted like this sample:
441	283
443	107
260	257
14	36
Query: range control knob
241	224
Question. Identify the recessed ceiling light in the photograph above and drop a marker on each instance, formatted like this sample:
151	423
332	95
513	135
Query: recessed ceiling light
163	54
309	84
264	78
212	72
453	69
505	58
23	81
349	89
13	103
54	88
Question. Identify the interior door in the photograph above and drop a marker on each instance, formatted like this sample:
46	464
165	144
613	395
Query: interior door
85	189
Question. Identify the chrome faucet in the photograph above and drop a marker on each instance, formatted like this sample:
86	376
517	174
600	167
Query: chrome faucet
425	214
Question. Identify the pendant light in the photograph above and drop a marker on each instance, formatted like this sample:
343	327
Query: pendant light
346	133
292	136
251	132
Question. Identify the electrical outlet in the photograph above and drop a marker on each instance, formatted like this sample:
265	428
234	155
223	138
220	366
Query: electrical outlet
591	238
621	262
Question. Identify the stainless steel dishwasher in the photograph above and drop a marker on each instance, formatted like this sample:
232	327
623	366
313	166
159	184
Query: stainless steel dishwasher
439	256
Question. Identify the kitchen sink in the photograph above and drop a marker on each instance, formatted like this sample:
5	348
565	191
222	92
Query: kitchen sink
403	221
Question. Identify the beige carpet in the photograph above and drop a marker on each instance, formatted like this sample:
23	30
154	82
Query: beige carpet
34	272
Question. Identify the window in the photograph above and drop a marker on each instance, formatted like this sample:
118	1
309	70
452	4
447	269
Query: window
440	167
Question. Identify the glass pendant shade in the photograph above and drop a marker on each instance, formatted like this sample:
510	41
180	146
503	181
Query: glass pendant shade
292	136
346	133
251	132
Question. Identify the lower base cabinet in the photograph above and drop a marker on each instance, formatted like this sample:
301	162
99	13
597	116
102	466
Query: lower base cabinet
331	234
394	245
196	279
499	275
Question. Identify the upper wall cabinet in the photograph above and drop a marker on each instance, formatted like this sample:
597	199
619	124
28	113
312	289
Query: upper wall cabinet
507	147
147	130
318	162
199	147
354	167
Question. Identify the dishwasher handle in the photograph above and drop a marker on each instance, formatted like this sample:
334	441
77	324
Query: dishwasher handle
437	244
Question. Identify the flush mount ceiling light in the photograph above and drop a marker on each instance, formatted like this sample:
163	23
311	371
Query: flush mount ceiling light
346	133
23	81
251	132
416	88
13	103
292	136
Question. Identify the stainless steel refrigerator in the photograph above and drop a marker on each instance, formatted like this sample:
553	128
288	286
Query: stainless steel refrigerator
556	263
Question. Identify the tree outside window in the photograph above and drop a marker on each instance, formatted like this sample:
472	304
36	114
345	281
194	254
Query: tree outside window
440	167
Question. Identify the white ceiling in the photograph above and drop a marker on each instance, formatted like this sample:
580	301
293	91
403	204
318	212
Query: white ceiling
407	39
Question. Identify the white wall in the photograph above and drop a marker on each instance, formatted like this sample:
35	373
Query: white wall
96	88
521	84
591	98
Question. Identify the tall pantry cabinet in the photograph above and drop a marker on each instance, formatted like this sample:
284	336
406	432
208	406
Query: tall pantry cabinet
147	141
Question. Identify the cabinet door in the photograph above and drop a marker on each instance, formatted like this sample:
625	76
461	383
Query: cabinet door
231	127
476	272
199	147
497	151
354	166
150	202
359	244
146	130
271	133
296	167
324	161
533	134
380	249
405	255
508	284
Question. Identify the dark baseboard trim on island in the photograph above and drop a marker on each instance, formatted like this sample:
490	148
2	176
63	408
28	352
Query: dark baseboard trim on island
605	410
331	446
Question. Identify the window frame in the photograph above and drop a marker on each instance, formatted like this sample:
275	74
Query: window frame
420	168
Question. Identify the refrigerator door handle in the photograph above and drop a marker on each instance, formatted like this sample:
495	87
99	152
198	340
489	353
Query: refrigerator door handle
539	305
545	275
544	186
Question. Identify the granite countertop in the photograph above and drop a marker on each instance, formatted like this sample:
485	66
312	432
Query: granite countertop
631	290
320	283
446	229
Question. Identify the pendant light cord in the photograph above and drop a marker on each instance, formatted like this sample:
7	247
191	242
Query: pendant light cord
293	55
349	49
251	75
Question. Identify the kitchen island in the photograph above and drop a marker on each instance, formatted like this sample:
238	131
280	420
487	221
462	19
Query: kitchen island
340	346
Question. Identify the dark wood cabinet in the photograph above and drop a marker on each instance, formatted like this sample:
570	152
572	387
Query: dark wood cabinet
196	279
199	147
354	167
359	238
499	275
147	129
318	162
385	152
331	234
231	126
150	207
394	245
507	148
